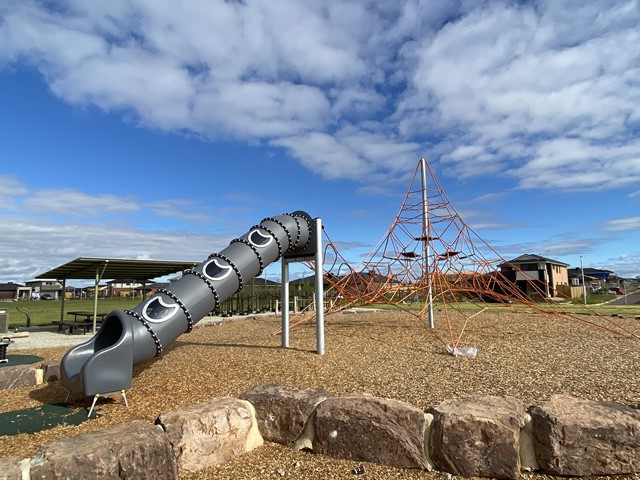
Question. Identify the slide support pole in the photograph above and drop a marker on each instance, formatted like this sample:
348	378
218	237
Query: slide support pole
284	300
319	290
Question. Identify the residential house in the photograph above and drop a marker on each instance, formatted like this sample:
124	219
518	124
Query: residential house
14	291
305	283
45	289
76	292
594	278
150	289
536	275
124	287
103	291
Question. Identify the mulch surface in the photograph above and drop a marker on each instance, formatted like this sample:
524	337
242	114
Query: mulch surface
387	354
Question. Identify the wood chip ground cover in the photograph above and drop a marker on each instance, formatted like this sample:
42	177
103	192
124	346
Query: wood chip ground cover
387	354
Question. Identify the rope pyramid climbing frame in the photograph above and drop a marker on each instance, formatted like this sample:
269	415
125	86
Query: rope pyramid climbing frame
430	259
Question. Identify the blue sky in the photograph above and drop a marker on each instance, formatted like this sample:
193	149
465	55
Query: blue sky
137	130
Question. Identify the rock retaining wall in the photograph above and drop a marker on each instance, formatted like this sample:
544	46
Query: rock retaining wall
488	436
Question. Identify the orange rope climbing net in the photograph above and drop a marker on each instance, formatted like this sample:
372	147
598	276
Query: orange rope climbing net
430	257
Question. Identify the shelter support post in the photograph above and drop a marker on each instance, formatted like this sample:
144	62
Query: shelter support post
95	293
64	291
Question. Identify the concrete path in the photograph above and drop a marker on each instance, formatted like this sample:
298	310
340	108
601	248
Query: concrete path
48	337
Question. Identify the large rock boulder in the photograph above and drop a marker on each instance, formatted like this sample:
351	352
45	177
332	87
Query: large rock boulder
20	376
478	437
128	451
282	412
10	468
362	427
51	370
212	432
583	437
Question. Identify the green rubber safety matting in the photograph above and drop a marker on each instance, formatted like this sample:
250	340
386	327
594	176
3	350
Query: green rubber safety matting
21	360
45	417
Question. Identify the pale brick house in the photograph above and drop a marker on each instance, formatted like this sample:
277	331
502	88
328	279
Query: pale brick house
536	275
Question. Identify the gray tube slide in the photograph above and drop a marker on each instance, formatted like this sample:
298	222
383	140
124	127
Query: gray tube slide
104	364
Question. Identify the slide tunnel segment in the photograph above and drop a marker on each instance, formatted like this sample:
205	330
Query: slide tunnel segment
104	364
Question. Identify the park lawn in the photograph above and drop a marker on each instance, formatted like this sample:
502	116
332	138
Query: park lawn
43	312
566	307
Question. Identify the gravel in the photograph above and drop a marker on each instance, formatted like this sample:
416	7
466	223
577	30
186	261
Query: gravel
387	354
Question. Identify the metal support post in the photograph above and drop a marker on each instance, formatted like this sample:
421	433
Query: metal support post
319	291
426	240
284	300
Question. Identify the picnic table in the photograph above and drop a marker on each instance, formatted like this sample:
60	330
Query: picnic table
85	321
87	316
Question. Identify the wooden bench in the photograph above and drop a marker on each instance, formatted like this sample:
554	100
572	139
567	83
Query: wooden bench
71	324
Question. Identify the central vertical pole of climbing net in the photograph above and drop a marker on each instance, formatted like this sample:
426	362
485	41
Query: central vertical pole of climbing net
425	242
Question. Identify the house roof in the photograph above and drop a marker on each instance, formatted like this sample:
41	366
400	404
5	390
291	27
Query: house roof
88	267
9	287
590	271
530	257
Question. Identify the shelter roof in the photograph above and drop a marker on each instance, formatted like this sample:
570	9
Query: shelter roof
89	267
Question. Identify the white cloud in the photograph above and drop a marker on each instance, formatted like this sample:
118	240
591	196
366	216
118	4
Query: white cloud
626	266
250	110
489	197
489	88
31	247
623	224
579	164
185	210
503	75
324	154
73	203
159	93
34	240
545	93
352	153
10	190
481	220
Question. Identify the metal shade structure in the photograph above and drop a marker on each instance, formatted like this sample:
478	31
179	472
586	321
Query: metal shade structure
87	268
83	268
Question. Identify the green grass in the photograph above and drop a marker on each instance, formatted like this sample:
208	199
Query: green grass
631	310
595	298
43	312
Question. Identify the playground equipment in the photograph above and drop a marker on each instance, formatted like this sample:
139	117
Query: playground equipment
4	343
27	314
104	364
430	256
